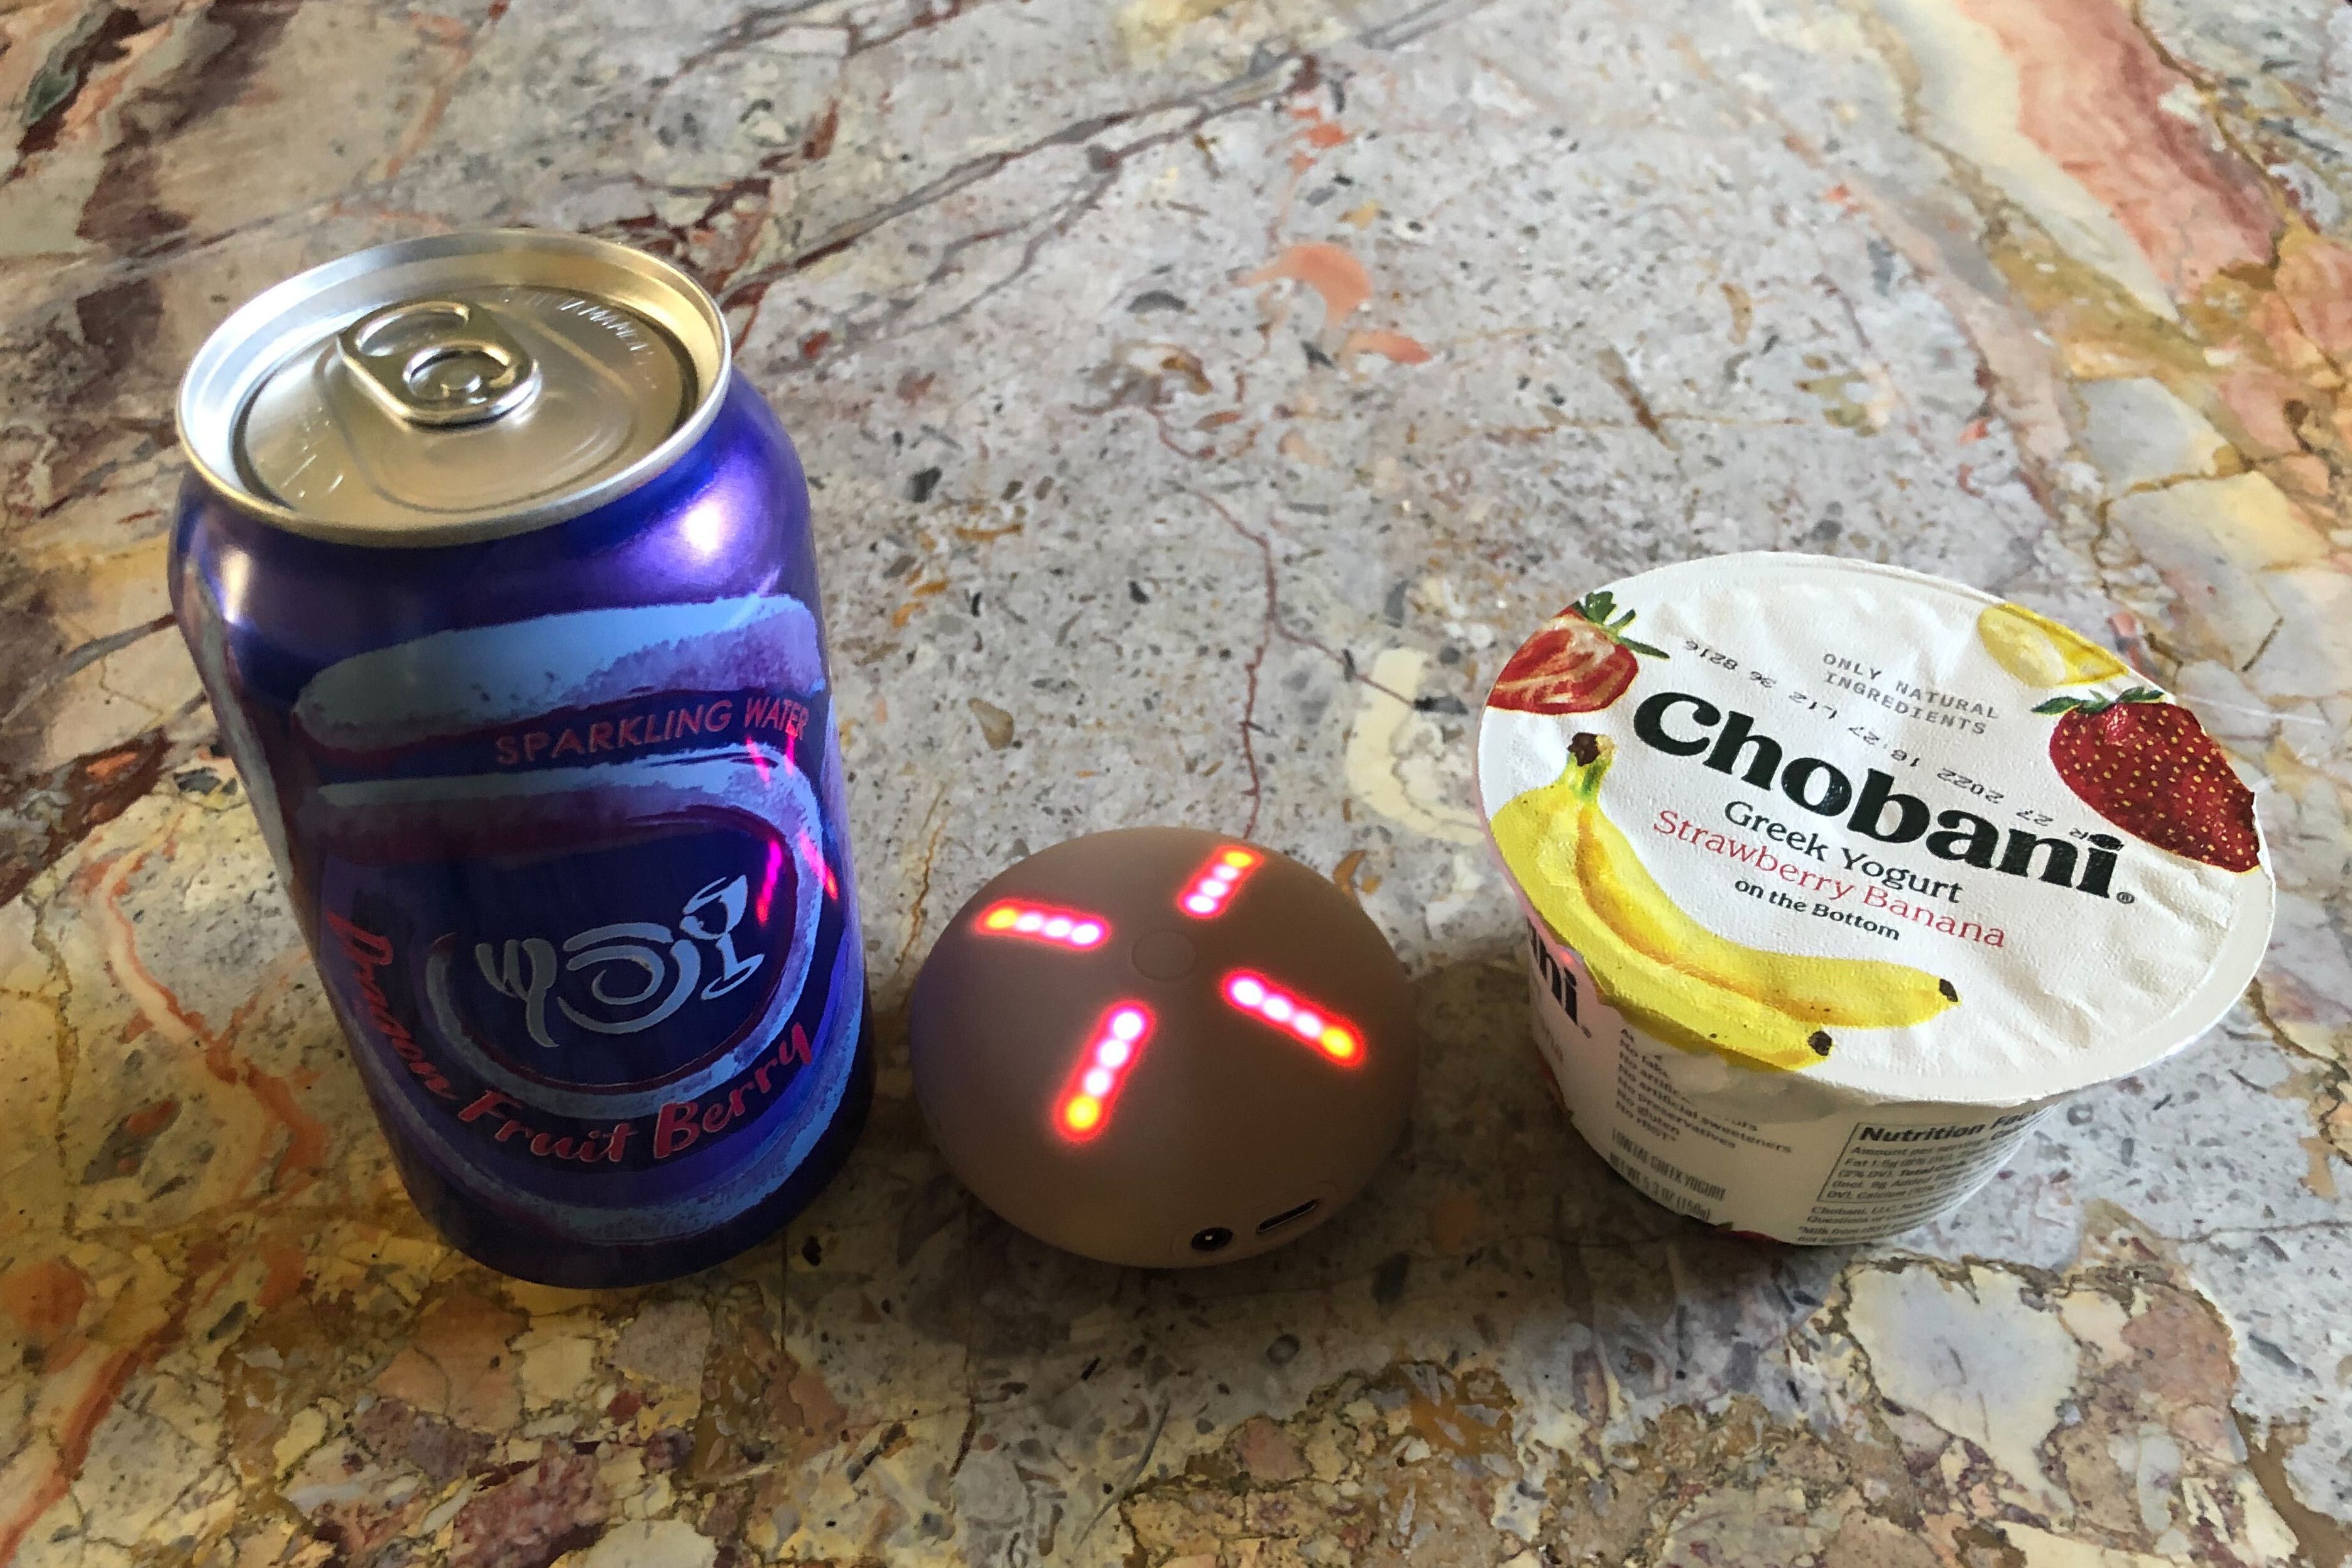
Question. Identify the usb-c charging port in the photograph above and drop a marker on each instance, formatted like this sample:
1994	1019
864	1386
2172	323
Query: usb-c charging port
1297	1211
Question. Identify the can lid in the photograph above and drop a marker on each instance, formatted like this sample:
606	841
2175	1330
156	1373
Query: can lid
460	387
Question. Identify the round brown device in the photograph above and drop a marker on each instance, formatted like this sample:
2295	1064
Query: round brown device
1159	1047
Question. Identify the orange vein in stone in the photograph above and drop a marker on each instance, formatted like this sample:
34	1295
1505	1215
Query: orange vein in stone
1330	271
174	1021
71	1435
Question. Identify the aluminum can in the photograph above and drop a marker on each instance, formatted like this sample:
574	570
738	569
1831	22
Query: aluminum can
502	588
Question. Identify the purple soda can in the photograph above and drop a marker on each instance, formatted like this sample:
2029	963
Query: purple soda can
502	587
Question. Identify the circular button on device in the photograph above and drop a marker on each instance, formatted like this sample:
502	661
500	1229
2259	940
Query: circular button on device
1162	955
1161	1047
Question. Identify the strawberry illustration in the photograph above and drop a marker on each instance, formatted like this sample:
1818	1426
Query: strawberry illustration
2147	766
1580	662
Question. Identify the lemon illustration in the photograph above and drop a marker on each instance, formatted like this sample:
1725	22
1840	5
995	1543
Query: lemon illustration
2039	651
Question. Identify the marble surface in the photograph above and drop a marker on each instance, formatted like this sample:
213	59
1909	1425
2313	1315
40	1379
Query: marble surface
1202	396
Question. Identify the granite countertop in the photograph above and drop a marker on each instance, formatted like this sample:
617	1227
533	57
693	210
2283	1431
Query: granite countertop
1202	396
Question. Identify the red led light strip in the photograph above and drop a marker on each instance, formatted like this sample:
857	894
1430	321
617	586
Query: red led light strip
1336	1038
1042	922
1083	1107
1205	897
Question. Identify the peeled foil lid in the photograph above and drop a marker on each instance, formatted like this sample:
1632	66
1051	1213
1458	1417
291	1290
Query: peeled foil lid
322	437
1753	708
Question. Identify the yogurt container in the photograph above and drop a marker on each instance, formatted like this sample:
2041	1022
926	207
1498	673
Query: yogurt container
1838	877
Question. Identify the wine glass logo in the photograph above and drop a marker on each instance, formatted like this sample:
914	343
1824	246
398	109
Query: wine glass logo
638	972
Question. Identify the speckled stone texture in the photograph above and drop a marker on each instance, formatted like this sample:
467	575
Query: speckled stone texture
1202	396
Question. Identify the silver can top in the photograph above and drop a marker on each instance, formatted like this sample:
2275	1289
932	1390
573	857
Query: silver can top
456	388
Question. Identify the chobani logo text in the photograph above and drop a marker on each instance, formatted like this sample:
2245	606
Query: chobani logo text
1682	725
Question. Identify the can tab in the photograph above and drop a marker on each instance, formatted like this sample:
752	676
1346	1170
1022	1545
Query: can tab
439	363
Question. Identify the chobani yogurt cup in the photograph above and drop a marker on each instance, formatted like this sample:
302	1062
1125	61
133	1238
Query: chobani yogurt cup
1838	877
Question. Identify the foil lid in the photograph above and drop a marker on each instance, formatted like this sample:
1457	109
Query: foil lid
1843	824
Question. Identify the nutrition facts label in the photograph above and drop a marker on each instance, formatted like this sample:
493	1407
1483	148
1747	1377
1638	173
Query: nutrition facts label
1890	1177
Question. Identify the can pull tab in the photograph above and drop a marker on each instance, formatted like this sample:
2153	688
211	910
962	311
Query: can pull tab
439	361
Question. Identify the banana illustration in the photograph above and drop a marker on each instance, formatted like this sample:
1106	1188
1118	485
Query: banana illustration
1657	998
1672	976
1830	992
